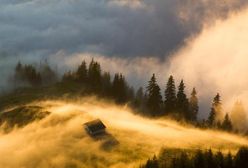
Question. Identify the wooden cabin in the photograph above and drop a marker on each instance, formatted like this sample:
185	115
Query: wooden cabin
95	127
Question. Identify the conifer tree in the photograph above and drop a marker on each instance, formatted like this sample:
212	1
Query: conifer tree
211	117
94	74
139	97
218	107
18	73
154	98
220	159
210	161
193	105
182	101
239	117
227	124
228	161
241	158
106	83
48	75
82	72
199	160
119	88
216	110
170	96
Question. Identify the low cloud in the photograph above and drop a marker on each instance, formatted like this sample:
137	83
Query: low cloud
60	140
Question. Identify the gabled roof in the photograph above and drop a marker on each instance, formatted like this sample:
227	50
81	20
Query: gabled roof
95	125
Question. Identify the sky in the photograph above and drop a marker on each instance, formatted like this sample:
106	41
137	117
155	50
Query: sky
121	28
137	37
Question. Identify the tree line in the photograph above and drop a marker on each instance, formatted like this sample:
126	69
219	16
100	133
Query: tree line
29	75
201	159
149	101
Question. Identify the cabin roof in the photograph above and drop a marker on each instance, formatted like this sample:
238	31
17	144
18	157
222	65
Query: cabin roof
95	125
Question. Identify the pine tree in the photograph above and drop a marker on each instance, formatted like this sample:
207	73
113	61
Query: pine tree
227	124
211	117
170	96
119	89
154	98
82	72
210	159
239	117
106	83
94	75
193	105
228	161
48	75
18	73
241	158
220	160
182	101
139	98
199	160
218	107
215	112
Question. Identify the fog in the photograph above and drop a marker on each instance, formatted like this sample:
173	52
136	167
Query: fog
59	140
215	61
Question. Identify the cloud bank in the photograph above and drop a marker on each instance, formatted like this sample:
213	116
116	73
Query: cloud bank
60	141
110	27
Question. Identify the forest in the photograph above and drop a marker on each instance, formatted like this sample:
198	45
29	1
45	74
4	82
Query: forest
201	159
151	101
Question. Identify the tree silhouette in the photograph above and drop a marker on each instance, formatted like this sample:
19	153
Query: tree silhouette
119	88
82	72
216	110
182	101
106	83
154	98
210	161
48	75
239	117
94	75
241	158
193	105
228	162
227	124
199	160
170	96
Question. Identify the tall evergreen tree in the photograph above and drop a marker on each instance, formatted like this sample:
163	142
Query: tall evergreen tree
216	111
48	75
154	98
82	72
199	160
170	96
241	158
139	98
193	105
227	124
182	101
228	162
120	88
94	74
239	117
210	161
211	117
106	83
218	107
220	159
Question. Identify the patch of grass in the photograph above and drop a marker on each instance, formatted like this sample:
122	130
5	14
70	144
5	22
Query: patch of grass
21	116
23	96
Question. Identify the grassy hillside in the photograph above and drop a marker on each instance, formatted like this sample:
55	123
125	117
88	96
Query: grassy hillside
48	132
22	96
